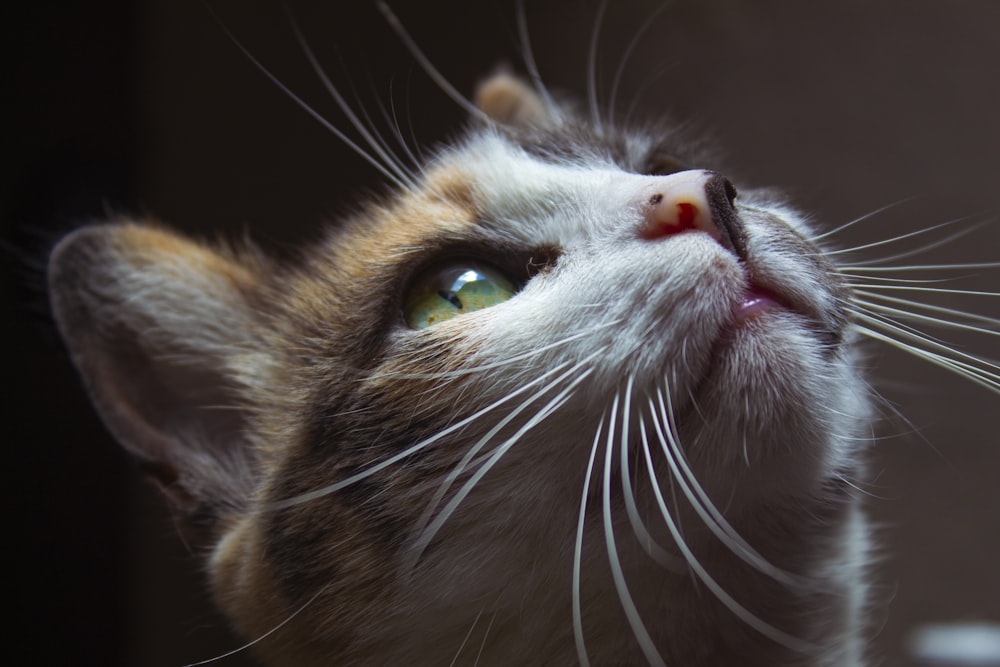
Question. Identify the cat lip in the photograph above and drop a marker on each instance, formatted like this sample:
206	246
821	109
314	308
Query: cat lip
756	299
761	297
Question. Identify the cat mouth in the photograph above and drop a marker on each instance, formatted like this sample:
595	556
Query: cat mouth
760	298
757	300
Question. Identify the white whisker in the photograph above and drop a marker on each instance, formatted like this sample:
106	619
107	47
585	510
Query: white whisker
920	267
931	290
858	308
703	504
390	159
529	58
741	612
428	67
650	79
530	354
347	141
866	216
432	529
466	638
972	317
628	605
919	250
410	451
887	323
613	97
649	545
859	489
263	636
581	649
595	111
936	321
463	464
482	644
990	381
392	120
897	239
852	278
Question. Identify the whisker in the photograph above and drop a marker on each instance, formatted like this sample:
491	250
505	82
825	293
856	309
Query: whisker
392	121
981	376
650	79
931	290
703	504
466	638
649	545
414	168
741	612
263	636
553	405
595	112
919	250
347	141
921	267
613	97
897	239
866	216
482	644
985	379
975	317
463	464
857	488
858	309
389	158
496	364
581	649
529	58
852	277
628	605
937	321
746	411
428	67
890	324
410	451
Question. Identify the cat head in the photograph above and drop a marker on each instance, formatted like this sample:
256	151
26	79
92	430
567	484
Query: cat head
445	406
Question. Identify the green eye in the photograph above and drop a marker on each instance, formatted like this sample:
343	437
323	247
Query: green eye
453	290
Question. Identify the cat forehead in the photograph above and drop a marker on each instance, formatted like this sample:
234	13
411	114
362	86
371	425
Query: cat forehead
534	198
564	197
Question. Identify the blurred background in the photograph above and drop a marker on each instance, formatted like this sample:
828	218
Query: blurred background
145	107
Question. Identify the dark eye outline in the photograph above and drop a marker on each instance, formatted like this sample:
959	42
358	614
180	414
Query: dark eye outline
663	165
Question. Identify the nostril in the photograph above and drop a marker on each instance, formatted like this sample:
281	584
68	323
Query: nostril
721	195
730	192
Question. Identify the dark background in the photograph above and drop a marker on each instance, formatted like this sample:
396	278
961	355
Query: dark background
146	108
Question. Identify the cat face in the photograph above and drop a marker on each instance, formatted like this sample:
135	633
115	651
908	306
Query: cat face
536	384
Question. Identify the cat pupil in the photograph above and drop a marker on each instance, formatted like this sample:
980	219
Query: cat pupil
450	297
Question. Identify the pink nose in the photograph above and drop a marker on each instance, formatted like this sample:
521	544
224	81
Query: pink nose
692	201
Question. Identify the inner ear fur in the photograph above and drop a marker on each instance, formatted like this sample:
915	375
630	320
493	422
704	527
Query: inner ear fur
163	331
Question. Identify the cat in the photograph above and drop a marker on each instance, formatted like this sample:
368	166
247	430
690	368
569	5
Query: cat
565	396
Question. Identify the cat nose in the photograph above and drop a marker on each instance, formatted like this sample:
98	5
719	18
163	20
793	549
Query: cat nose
695	200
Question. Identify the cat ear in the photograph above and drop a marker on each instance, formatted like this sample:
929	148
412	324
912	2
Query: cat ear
508	100
164	334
